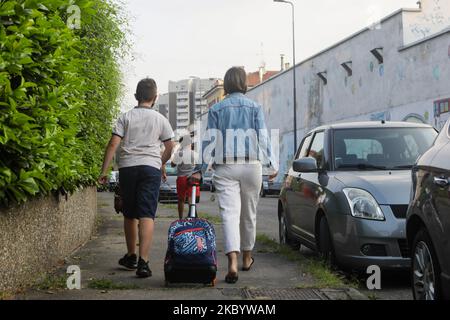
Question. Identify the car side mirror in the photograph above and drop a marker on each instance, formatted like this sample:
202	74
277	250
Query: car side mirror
305	165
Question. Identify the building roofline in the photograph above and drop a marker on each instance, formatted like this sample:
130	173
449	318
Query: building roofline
211	90
354	35
430	37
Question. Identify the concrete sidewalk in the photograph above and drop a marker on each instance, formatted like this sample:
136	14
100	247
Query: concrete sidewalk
272	276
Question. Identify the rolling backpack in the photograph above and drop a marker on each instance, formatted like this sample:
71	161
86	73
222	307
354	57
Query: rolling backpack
191	255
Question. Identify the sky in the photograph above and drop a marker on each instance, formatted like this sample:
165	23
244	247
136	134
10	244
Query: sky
177	39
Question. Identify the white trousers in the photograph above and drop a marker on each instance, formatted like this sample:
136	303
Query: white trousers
238	187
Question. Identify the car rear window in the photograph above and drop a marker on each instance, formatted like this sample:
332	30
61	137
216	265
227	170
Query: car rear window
380	148
171	171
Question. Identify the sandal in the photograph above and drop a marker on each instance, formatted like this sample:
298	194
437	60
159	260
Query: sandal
231	278
250	266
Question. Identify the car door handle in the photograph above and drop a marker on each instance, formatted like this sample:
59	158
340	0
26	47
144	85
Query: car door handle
441	182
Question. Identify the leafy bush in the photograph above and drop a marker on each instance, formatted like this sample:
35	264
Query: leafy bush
59	91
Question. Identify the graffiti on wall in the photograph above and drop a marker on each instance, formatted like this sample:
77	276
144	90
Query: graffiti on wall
415	118
436	72
381	116
315	104
441	110
430	19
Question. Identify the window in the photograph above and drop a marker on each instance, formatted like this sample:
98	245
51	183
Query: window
375	148
302	152
317	149
412	150
363	147
171	171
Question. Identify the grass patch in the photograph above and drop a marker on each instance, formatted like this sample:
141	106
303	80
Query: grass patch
372	296
168	206
5	296
210	218
325	277
99	220
106	284
52	282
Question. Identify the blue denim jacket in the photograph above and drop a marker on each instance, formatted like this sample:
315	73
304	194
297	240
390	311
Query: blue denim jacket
239	116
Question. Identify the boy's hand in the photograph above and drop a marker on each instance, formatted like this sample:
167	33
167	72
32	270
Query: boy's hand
103	179
163	174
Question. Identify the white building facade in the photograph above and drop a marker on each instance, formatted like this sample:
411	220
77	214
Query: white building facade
185	101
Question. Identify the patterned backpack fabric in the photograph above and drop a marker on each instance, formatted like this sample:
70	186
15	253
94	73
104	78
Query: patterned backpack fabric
192	242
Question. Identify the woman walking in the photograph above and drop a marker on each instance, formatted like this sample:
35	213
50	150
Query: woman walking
237	163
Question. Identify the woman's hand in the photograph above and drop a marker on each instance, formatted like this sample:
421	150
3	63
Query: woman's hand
273	176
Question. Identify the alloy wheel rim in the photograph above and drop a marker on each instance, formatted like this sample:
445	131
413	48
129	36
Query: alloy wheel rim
423	273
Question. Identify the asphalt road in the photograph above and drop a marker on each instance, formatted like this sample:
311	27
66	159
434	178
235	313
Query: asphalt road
394	285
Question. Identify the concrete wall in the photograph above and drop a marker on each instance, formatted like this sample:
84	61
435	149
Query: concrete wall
407	84
39	234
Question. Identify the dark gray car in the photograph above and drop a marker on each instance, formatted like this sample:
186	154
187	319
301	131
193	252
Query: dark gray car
428	224
348	191
168	188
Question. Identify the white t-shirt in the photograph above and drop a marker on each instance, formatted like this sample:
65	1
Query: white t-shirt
186	160
142	130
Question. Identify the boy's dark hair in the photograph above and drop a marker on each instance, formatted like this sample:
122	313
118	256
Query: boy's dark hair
146	90
235	81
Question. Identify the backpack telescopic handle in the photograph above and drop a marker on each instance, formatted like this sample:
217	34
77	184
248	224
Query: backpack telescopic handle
193	204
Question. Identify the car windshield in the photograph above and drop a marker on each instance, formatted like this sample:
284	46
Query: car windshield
380	148
171	171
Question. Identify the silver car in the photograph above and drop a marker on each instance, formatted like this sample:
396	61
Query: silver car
347	192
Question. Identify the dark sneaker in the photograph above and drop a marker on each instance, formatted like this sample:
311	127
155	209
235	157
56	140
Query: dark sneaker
143	270
129	262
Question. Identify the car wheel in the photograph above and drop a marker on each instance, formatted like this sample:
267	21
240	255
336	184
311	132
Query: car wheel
325	244
285	238
426	271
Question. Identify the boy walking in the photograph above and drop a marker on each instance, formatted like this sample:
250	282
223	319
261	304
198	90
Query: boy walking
139	133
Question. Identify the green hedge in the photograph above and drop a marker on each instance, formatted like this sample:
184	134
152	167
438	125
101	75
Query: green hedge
59	93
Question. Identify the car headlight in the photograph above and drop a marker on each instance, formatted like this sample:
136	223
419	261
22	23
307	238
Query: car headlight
363	204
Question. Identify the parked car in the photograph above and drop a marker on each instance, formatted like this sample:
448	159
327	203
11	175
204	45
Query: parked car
207	181
269	187
168	189
347	192
113	181
428	221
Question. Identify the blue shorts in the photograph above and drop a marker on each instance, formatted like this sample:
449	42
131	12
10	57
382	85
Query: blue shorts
139	187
